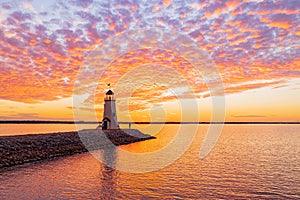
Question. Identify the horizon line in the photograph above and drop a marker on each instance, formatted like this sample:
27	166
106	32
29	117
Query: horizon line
139	122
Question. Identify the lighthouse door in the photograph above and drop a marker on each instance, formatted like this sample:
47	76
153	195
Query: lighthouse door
105	124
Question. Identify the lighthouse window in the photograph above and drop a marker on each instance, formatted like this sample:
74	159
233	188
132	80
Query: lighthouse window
114	114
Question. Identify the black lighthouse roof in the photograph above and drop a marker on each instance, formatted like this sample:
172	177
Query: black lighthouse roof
109	92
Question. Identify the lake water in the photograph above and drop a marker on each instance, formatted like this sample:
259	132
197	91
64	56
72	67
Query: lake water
248	162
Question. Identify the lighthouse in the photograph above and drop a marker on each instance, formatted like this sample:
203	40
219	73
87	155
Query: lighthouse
110	120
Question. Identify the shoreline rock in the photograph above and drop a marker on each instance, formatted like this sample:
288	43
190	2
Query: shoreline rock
21	149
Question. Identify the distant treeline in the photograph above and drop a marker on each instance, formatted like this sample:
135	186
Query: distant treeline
92	122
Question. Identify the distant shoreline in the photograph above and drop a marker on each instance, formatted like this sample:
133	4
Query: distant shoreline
91	122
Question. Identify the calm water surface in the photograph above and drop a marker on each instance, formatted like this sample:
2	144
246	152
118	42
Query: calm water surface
248	162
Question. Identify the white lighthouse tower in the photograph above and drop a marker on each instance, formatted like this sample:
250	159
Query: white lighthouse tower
110	120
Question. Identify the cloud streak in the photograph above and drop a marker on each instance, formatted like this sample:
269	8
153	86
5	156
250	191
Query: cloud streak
249	116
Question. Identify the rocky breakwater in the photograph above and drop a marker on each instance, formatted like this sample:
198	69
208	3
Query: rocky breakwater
16	150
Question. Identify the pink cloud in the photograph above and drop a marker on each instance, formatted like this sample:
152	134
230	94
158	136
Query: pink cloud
247	41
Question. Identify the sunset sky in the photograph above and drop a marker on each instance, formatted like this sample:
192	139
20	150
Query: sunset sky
54	51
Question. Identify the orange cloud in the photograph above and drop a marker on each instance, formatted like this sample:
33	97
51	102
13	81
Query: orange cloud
285	25
167	2
232	5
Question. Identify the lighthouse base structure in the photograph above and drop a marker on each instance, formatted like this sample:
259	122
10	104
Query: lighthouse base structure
110	120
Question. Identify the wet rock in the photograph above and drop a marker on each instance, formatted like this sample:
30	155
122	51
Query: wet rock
15	150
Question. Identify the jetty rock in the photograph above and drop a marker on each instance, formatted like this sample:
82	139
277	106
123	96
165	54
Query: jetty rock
16	150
